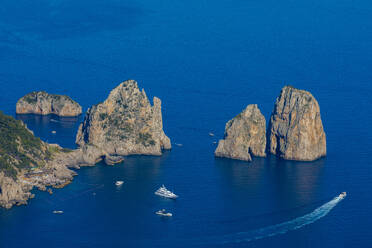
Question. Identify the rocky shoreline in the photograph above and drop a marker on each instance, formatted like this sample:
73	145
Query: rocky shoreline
17	191
124	124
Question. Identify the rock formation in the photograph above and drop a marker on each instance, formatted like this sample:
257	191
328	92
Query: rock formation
124	124
43	103
245	135
296	129
27	162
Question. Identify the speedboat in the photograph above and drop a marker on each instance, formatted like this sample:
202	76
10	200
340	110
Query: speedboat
163	213
57	212
342	195
118	183
211	134
164	192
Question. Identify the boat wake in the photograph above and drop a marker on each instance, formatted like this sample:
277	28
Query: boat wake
282	227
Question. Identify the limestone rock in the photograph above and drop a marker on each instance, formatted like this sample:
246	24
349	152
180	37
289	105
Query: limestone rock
245	135
124	124
296	129
111	160
26	162
12	192
43	103
88	155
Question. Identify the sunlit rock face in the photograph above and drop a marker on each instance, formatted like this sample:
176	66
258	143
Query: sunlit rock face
245	136
125	123
43	103
296	129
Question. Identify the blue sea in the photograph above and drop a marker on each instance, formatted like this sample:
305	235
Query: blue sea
206	60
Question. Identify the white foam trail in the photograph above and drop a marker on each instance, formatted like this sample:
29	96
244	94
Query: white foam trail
282	227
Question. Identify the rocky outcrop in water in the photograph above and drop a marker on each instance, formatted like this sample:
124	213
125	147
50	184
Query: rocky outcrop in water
245	136
43	103
124	124
296	129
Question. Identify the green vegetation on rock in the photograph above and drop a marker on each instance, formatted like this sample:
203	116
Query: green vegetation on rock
19	148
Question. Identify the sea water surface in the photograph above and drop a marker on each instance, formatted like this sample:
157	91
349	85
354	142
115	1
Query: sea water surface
206	60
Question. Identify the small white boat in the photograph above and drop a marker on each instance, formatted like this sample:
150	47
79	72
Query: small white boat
54	132
164	192
178	144
164	213
211	134
342	195
118	183
57	212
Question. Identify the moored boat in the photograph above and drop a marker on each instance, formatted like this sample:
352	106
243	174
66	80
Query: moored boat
164	213
118	183
164	192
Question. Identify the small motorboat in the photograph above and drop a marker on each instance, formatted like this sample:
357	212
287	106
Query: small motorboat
211	134
164	192
342	195
54	132
118	183
163	213
57	212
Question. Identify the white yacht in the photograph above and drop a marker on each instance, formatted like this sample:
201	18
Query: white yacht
164	192
57	212
163	213
118	183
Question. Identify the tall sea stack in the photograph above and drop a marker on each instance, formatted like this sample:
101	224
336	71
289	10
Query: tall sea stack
245	136
296	129
124	124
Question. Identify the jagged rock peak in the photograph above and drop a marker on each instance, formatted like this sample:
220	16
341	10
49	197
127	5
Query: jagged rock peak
43	103
125	123
296	129
245	135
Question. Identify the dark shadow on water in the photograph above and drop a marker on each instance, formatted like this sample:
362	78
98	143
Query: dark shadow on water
292	188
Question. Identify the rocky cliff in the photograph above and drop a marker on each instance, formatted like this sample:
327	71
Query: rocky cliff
43	103
26	162
124	124
296	129
245	136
